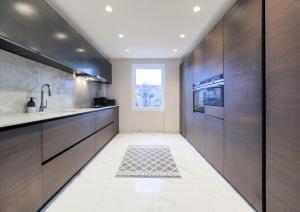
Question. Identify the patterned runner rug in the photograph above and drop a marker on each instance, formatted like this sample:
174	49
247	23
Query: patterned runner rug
148	161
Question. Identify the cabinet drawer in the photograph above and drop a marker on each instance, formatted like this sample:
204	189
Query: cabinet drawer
59	170
60	134
104	118
21	169
104	135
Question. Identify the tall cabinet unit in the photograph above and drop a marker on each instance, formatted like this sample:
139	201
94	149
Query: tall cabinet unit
283	105
182	99
243	99
189	98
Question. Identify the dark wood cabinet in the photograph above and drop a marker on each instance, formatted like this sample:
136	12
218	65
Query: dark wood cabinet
60	134
104	118
20	168
198	63
283	105
189	98
59	170
182	100
198	132
214	52
243	99
34	36
116	120
214	146
103	136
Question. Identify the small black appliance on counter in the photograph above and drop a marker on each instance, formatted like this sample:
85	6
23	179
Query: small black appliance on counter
103	102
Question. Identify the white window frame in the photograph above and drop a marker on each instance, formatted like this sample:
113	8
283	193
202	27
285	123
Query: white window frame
133	94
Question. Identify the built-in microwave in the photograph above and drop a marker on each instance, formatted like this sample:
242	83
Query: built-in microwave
209	92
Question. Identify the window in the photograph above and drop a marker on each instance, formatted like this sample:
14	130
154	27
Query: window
148	87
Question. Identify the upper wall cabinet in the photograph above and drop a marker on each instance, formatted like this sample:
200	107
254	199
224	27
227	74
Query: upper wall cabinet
243	99
214	51
198	63
32	29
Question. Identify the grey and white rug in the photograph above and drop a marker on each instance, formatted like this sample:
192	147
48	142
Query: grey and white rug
148	161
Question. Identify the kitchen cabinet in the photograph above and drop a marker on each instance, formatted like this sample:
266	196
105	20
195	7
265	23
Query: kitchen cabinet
213	145
243	143
283	105
189	98
59	170
104	118
61	134
182	100
44	36
198	132
20	168
116	120
214	52
103	136
198	63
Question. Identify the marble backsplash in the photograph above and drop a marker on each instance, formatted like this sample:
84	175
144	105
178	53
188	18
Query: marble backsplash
21	78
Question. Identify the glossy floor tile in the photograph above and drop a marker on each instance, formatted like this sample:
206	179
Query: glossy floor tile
200	187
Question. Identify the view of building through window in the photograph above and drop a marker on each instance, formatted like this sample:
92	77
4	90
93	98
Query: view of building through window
148	87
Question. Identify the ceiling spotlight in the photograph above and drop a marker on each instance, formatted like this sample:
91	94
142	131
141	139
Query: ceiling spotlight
121	36
182	35
127	50
60	36
196	9
24	9
80	50
175	50
108	9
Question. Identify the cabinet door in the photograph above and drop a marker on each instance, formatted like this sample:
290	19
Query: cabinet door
283	105
104	118
20	168
243	99
103	136
182	100
214	51
59	170
189	98
59	135
198	128
214	133
198	63
116	120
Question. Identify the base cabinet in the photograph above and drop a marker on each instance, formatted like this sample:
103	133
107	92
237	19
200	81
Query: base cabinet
104	135
20	169
59	170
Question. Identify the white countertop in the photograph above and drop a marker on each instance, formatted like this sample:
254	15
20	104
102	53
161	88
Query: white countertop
25	118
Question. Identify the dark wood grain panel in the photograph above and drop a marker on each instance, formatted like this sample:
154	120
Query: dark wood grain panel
198	63
189	98
182	100
243	99
59	170
198	132
104	117
214	51
116	120
60	134
20	168
103	136
214	146
283	105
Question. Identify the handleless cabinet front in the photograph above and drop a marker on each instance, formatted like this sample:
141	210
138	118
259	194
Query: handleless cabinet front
104	135
104	118
59	135
20	168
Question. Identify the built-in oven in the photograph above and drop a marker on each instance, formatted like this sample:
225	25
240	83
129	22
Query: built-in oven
209	94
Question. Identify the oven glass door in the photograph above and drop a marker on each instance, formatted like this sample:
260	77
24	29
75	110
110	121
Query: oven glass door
198	102
214	96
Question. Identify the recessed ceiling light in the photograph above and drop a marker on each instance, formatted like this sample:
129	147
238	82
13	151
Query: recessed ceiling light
121	36
24	9
80	50
196	9
182	36
60	36
108	9
175	50
127	50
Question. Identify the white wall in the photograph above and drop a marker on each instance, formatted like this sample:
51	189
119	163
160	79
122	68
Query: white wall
146	121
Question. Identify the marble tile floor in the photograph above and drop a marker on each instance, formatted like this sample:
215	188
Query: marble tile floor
200	188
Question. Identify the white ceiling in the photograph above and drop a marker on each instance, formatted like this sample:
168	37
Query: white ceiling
151	28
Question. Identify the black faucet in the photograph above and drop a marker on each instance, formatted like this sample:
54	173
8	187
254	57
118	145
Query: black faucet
42	107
